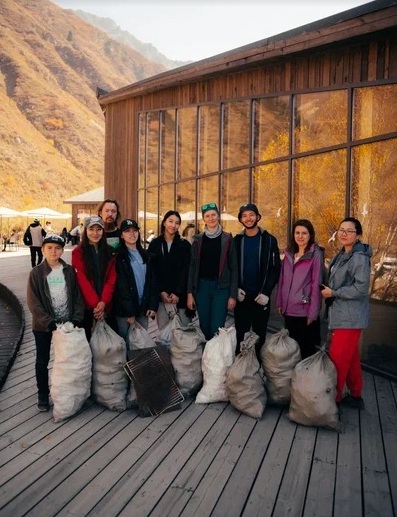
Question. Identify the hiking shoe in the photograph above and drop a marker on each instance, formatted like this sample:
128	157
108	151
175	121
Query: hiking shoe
354	402
43	403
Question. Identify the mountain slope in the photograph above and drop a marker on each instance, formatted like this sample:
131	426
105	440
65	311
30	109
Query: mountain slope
115	32
51	126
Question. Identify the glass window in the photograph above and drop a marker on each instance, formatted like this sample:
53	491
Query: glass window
141	211
375	111
187	132
270	194
142	150
374	204
167	164
319	193
320	120
186	201
166	198
152	199
271	128
236	134
235	192
152	153
209	139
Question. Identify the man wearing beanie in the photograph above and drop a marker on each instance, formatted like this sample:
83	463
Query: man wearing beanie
258	258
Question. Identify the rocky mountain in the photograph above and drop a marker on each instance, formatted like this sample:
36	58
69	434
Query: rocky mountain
115	32
51	125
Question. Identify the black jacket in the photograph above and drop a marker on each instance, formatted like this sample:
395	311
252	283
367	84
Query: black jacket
126	299
172	267
269	262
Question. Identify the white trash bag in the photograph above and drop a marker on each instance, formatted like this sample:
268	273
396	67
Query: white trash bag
139	338
71	372
218	356
164	336
109	380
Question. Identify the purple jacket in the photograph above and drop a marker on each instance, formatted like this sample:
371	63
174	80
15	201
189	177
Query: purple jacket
298	290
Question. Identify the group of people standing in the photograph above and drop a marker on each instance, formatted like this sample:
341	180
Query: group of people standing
217	273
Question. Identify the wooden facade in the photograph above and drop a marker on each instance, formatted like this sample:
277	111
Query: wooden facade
354	52
354	48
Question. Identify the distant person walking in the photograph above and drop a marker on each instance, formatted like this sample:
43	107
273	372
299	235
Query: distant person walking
33	238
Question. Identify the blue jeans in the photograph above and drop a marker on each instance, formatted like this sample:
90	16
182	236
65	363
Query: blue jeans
43	347
211	305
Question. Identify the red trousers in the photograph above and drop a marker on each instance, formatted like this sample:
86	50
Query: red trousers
344	353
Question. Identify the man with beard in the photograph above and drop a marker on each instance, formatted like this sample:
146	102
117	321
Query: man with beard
258	258
109	210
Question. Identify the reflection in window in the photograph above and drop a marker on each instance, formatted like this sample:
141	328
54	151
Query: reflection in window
186	201
167	164
141	211
209	139
271	128
375	111
320	120
270	194
166	198
236	133
319	188
152	161
151	202
142	150
234	194
187	131
374	204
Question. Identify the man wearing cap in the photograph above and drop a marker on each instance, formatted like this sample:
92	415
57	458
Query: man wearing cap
33	238
53	296
258	259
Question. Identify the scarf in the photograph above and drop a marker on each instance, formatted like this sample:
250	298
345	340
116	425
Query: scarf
213	235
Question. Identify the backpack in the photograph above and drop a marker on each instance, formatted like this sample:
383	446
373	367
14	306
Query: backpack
27	238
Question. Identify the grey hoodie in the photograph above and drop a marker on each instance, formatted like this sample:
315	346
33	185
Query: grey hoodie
349	279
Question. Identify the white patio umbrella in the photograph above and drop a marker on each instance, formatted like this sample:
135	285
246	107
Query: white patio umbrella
228	217
9	212
43	213
190	216
147	215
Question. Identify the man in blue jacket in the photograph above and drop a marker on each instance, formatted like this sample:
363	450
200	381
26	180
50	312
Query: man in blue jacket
258	258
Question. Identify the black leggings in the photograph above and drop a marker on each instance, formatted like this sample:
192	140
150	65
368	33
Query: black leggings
307	336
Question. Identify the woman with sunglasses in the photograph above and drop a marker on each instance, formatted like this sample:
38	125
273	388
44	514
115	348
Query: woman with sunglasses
172	265
213	276
347	296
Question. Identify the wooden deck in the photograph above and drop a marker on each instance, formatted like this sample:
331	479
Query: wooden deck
200	460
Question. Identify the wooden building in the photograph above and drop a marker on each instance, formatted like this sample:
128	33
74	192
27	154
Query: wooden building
304	124
85	204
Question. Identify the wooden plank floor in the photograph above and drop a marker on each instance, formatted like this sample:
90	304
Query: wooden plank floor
200	460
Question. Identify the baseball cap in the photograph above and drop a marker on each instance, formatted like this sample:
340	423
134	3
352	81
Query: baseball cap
53	238
128	223
36	220
248	206
94	219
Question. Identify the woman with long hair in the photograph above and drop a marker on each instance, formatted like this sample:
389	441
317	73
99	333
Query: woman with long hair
298	296
136	296
172	265
94	262
213	273
347	297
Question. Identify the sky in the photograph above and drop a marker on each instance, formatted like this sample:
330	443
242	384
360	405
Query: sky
190	30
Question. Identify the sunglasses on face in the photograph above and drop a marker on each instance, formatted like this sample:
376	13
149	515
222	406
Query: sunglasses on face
346	232
208	206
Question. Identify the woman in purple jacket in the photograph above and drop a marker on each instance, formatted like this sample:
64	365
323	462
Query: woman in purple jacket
298	293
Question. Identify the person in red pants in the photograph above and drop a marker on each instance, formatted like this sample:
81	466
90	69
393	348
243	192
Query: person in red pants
347	299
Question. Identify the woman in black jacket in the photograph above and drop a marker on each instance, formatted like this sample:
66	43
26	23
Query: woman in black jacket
172	266
136	293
